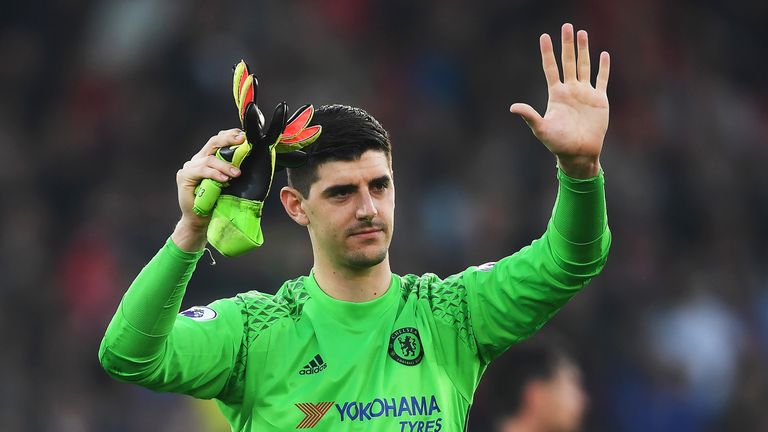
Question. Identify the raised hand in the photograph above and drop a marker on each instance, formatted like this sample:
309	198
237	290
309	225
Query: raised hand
576	120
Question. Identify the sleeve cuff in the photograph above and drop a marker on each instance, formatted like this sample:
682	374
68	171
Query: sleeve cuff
581	185
176	252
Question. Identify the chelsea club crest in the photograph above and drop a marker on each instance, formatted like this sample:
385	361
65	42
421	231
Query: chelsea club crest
405	346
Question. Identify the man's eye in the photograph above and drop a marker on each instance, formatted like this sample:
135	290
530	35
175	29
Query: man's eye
379	187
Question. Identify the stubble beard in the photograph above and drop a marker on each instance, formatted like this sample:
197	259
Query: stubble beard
359	260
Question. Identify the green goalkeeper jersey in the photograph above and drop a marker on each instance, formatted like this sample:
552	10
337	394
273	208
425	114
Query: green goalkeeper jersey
408	361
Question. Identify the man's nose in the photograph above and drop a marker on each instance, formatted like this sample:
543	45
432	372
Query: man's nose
366	208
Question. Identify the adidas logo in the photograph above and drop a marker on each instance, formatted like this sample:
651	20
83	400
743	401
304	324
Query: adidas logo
314	366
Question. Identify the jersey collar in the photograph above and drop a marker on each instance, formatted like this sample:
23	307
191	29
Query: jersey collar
353	312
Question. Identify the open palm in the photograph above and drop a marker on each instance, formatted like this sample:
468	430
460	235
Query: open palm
576	120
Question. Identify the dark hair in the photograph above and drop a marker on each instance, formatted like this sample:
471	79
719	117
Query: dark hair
530	361
348	132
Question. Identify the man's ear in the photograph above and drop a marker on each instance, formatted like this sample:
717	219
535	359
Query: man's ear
292	199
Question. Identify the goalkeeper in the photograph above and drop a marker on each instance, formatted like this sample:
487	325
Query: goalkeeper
352	346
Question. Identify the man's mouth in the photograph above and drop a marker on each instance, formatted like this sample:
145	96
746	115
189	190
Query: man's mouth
367	233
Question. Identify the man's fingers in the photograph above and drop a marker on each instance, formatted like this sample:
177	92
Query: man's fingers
569	54
208	167
223	139
220	165
205	165
604	71
548	61
212	173
583	68
531	117
190	177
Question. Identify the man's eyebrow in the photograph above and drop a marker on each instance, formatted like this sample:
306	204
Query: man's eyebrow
330	191
381	181
337	189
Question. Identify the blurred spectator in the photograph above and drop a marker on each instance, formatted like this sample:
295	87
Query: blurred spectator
539	389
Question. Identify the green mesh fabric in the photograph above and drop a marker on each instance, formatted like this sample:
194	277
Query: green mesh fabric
447	300
573	236
259	312
582	196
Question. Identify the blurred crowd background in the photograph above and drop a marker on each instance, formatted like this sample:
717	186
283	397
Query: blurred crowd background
101	102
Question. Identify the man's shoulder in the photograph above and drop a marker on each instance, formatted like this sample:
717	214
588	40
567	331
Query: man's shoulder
444	296
446	300
429	285
261	309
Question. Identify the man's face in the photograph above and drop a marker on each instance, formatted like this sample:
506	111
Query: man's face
351	210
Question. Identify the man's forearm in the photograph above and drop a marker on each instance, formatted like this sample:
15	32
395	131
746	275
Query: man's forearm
149	308
190	237
580	238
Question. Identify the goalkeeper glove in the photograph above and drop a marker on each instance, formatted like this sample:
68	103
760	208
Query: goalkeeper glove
235	226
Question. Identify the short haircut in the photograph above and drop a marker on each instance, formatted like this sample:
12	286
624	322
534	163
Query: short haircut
348	132
523	364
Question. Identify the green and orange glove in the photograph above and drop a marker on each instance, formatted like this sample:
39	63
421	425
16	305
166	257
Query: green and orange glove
236	207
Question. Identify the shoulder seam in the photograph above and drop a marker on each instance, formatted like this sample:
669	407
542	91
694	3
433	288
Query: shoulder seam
451	309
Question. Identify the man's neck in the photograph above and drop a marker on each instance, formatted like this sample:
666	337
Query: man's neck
353	285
